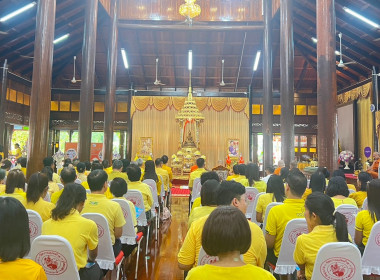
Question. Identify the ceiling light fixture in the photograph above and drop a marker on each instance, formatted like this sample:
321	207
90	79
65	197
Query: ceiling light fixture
17	12
64	37
315	40
359	16
124	55
190	64
256	65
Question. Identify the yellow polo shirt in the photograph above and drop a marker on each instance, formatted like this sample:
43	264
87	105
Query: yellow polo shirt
194	175
347	200
23	170
2	188
21	269
197	202
111	210
81	233
188	254
212	272
364	223
158	183
56	178
200	212
145	191
359	197
133	211
82	177
170	172
239	178
42	207
117	174
308	245
261	186
263	202
55	196
165	177
19	195
232	177
279	216
108	193
53	187
350	187
108	170
307	193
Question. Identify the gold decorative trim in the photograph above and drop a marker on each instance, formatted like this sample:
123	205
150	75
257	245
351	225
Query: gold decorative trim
360	92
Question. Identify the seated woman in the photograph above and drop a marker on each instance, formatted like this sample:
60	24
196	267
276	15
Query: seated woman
317	184
275	193
252	179
226	234
15	186
361	194
81	233
53	187
284	172
340	173
81	169
367	218
2	180
325	225
338	191
37	190
15	243
150	173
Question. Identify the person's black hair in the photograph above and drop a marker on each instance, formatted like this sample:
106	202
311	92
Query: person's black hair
68	175
15	179
200	162
106	163
48	172
23	161
48	161
134	173
226	230
339	173
96	180
37	184
325	172
73	194
373	194
75	162
6	164
235	169
14	230
242	168
126	163
270	169
284	172
67	161
252	173
317	182
275	185
297	183
150	171
322	205
81	167
96	166
228	191
17	144
337	186
88	165
117	164
165	159
209	192
119	187
2	174
209	175
157	161
364	178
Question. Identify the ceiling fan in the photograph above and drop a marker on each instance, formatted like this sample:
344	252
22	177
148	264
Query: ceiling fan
222	83
73	80
157	82
341	64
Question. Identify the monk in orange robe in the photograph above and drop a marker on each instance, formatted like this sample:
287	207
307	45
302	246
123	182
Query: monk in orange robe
374	168
280	164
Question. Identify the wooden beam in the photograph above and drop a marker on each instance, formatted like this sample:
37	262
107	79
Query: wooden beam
173	27
302	76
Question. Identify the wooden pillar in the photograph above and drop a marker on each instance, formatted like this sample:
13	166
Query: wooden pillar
250	123
255	144
39	117
122	146
3	101
129	125
88	75
7	139
268	86
287	81
109	109
326	85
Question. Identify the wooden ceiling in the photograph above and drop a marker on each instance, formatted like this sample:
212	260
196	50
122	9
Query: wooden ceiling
237	47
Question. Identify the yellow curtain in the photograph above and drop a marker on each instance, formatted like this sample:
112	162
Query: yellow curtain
365	127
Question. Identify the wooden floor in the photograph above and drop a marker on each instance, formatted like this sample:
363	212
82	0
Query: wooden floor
161	262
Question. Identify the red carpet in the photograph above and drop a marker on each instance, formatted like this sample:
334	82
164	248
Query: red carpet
178	192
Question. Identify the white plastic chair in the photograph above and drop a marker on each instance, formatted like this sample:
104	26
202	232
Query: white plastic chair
350	212
370	260
61	186
203	258
250	193
252	216
162	193
365	204
338	260
55	255
88	191
351	191
47	197
105	259
285	264
196	192
129	234
35	225
270	206
78	181
156	205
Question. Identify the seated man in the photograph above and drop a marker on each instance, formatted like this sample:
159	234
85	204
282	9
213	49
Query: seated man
235	171
162	172
268	172
134	175
230	193
167	168
374	168
280	215
197	173
68	175
117	167
23	161
204	177
242	169
97	202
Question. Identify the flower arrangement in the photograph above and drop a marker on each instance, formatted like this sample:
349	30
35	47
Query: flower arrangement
346	157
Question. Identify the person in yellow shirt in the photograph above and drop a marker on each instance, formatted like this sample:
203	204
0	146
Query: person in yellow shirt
97	202
49	162
68	175
235	171
23	161
2	152
88	167
197	173
2	180
165	160
53	186
367	218
162	172
275	193
317	184
227	234
150	174
252	178
81	169
38	186
280	215
134	175
340	173
15	243
6	165
361	193
325	225
338	191
209	192
16	152
81	233
117	167
242	169
106	166
15	186
233	194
